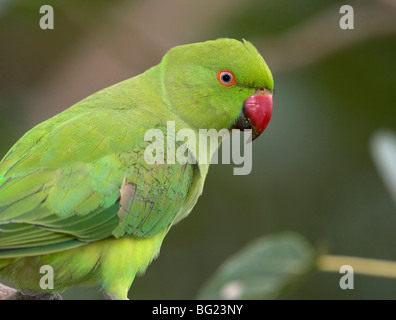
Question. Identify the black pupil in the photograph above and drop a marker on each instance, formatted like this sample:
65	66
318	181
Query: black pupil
226	77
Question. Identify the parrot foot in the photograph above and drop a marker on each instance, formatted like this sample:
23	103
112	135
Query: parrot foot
31	296
111	297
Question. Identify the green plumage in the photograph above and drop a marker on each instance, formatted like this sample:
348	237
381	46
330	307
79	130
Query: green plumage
76	192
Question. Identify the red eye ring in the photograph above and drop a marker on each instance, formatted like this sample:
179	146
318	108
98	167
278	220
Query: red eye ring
226	77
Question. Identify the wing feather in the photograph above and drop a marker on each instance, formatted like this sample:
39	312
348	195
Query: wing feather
69	183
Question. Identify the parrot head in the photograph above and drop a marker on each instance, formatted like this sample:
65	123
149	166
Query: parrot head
224	83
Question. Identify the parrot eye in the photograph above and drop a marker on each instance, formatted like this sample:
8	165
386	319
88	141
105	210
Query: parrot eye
226	77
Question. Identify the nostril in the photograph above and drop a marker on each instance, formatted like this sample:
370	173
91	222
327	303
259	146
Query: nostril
261	91
264	91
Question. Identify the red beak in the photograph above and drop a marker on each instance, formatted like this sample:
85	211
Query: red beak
256	113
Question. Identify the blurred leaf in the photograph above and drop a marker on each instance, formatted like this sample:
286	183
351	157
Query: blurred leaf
383	149
262	270
4	4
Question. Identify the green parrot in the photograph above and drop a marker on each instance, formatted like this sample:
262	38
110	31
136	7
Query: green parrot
76	192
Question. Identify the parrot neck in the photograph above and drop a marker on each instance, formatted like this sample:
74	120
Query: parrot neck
202	143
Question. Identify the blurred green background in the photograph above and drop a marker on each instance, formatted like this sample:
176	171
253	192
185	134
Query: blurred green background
312	169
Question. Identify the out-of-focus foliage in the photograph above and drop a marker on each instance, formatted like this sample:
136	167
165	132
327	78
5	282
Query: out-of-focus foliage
383	147
270	265
27	52
262	270
312	170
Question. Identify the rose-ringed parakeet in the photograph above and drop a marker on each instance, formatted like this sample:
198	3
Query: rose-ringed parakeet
76	192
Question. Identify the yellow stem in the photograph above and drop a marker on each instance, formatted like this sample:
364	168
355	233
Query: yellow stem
370	267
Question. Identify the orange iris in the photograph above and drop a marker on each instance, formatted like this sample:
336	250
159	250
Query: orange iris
226	77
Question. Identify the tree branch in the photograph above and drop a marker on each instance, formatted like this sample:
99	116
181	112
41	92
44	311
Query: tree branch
7	293
320	36
365	266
